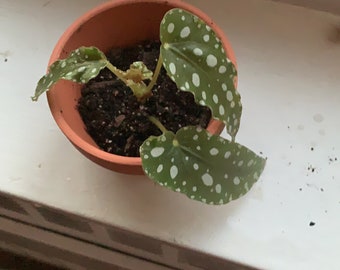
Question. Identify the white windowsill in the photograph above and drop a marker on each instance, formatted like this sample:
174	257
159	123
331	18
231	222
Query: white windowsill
289	77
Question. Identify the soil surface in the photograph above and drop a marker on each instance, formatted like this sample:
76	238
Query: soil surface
117	122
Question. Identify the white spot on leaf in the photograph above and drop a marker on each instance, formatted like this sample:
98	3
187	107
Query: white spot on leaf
227	154
246	187
173	172
159	168
204	95
222	69
236	181
215	98
198	51
221	110
171	28
207	179
213	151
218	188
157	151
229	96
172	68
81	69
185	32
196	79
211	60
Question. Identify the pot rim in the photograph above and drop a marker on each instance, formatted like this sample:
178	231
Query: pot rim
214	125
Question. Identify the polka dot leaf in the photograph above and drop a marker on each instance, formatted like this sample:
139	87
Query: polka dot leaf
82	65
204	167
196	61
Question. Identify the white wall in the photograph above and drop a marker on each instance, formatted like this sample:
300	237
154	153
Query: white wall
325	5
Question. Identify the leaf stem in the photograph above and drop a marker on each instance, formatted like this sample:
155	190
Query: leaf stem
115	71
158	124
156	73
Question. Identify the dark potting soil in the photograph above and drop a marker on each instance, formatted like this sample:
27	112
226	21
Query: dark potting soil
117	122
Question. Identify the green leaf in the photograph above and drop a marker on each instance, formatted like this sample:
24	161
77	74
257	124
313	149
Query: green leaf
195	59
137	72
205	167
134	78
140	70
82	65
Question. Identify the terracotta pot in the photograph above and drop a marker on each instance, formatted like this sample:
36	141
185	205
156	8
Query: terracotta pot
115	23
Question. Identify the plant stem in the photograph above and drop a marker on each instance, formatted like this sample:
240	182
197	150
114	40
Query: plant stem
156	73
114	70
158	124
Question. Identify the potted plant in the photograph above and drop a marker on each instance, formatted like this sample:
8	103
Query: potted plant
192	160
